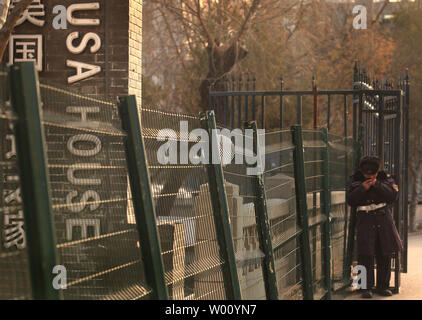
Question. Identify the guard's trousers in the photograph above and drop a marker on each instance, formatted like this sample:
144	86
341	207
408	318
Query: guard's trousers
383	268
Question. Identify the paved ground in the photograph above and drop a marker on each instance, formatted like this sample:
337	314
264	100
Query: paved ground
411	282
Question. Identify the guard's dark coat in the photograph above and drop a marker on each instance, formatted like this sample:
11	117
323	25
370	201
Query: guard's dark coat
368	226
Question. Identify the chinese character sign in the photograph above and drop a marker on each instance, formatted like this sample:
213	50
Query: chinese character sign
33	14
26	48
13	233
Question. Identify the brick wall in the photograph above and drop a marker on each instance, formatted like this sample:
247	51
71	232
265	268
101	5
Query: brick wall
135	49
119	58
120	55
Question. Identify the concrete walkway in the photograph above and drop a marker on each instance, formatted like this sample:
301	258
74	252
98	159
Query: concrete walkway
411	282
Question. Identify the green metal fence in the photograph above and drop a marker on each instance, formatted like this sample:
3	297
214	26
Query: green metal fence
99	201
341	164
195	266
14	264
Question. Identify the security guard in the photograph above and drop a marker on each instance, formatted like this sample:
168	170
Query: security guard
373	192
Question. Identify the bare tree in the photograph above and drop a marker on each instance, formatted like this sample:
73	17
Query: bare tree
217	26
207	40
220	34
408	28
8	22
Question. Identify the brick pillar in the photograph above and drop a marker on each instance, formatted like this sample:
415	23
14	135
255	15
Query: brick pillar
115	52
119	55
135	49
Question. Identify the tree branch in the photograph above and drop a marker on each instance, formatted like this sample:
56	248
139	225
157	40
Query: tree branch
173	40
380	12
298	21
9	25
210	40
251	11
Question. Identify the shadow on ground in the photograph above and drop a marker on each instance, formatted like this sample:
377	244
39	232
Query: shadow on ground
411	282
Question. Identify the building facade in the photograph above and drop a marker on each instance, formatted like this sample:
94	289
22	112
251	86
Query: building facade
94	47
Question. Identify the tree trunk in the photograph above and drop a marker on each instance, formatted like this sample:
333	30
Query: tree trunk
4	8
221	61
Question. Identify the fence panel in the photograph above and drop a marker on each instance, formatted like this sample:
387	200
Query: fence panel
97	238
242	196
313	163
340	159
180	190
262	218
326	209
144	210
220	207
14	263
302	200
277	222
285	227
35	188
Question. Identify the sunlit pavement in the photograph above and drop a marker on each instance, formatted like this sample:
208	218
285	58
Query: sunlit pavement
411	282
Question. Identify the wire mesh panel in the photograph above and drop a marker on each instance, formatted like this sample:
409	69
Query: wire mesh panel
281	202
340	161
184	212
97	239
314	175
14	268
241	196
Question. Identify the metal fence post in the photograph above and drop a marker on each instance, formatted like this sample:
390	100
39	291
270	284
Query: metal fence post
406	166
36	194
142	198
380	133
302	211
221	211
263	227
351	232
356	86
346	270
326	200
398	205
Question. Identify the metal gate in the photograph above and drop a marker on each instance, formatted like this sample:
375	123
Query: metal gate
373	115
383	116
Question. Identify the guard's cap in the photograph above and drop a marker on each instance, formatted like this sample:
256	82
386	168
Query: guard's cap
369	164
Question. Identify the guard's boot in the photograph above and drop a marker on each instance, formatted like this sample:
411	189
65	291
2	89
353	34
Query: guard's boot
366	294
385	292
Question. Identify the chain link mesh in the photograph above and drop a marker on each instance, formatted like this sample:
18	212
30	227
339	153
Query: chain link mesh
94	222
185	218
97	239
242	194
314	179
281	199
340	160
14	265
